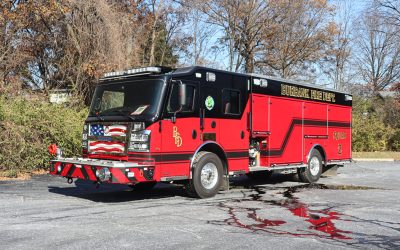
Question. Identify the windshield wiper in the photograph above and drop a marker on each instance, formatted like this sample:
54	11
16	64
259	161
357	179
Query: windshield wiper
98	116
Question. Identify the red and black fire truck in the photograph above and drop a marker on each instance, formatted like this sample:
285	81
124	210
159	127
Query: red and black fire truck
198	126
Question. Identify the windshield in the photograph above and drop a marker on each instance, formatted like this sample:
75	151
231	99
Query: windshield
127	98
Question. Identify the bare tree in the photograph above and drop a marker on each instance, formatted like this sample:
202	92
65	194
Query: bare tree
301	36
336	64
390	9
11	56
378	51
243	23
156	9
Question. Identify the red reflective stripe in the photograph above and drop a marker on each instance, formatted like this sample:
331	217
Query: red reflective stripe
66	169
119	175
90	173
77	174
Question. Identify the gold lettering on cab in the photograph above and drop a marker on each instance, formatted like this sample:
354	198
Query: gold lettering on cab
177	136
339	135
306	93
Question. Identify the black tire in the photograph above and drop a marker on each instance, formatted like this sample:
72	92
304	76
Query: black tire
259	175
194	187
143	186
310	174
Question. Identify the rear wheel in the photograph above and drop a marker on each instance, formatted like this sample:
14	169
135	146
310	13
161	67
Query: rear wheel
259	175
313	171
207	176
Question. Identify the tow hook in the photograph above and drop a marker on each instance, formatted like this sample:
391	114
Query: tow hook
70	180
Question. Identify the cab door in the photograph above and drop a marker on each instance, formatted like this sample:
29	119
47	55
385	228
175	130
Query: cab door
224	121
210	111
179	138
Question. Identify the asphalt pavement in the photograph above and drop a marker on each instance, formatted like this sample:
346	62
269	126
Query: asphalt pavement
359	208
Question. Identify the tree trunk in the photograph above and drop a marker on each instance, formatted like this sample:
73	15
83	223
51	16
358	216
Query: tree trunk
154	31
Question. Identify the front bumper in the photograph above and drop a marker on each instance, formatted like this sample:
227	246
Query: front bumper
85	168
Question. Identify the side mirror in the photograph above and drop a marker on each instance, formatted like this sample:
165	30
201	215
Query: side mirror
182	95
182	99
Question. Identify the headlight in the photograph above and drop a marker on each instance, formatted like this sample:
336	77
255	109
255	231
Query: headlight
137	126
85	136
139	137
140	140
139	146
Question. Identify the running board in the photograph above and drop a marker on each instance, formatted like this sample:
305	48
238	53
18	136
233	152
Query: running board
339	162
174	178
278	167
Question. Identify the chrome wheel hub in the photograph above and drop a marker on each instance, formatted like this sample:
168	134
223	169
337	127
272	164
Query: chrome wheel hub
314	166
209	176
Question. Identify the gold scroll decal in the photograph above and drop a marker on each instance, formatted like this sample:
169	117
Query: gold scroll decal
177	136
306	93
339	135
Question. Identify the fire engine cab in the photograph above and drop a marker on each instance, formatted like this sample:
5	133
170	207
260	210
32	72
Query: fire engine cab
198	126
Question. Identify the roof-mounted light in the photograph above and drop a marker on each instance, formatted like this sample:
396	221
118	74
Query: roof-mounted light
145	70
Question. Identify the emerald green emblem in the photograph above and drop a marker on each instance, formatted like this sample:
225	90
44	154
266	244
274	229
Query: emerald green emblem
209	103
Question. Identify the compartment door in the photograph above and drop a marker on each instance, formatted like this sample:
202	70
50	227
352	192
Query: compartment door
260	115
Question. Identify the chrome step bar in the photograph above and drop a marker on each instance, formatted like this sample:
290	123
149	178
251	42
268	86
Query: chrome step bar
278	167
100	163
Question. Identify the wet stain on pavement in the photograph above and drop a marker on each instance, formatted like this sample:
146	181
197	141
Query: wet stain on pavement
244	213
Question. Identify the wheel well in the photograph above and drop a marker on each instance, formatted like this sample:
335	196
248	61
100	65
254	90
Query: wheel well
216	149
321	151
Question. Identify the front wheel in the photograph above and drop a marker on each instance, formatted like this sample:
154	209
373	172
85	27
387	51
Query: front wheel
207	176
313	171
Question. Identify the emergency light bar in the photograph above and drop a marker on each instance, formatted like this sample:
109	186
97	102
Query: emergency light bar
133	71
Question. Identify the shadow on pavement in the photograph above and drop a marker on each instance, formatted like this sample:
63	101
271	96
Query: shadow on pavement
248	183
114	193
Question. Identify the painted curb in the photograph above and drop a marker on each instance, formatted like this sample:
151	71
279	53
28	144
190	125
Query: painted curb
373	159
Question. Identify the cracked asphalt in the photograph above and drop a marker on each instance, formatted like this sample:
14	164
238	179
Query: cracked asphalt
358	208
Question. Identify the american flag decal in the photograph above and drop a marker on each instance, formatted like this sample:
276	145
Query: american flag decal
106	147
107	130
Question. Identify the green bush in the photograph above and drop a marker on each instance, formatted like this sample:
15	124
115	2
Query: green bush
395	141
28	127
370	133
375	127
13	173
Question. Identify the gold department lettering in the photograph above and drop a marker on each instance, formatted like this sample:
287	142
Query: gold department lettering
300	92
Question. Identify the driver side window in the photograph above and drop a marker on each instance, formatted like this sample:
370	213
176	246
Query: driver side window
173	102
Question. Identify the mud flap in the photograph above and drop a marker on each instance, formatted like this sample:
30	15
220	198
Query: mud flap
330	170
225	183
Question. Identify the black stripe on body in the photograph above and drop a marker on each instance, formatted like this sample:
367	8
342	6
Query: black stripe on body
279	152
71	171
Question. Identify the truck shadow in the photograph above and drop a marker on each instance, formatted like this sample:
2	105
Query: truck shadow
276	178
115	193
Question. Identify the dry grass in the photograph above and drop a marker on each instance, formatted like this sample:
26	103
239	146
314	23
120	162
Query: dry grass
22	176
383	155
